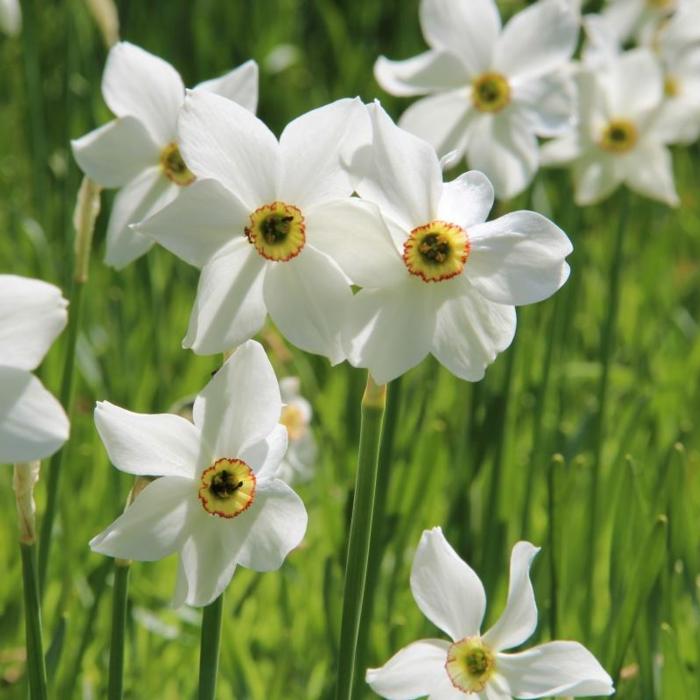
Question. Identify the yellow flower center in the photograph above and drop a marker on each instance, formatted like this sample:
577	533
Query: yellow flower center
672	87
661	4
470	664
227	488
174	167
277	231
490	92
619	136
436	251
294	420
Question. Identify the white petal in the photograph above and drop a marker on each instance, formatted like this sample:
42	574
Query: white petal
561	151
389	330
224	141
467	29
519	619
466	200
557	668
404	176
239	85
32	314
548	103
10	17
678	119
412	672
428	72
314	149
264	457
241	405
505	149
596	176
537	40
137	200
518	258
149	444
229	306
446	691
470	331
650	172
443	120
272	526
628	95
446	589
307	298
353	233
116	152
138	84
198	223
154	525
33	424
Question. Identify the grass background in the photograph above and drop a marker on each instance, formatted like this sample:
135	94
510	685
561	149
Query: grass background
508	458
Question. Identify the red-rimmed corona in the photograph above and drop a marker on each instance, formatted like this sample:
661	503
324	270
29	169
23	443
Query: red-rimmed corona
470	664
436	251
227	488
277	231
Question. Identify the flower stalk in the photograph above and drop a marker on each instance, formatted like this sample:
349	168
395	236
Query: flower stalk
120	601
209	648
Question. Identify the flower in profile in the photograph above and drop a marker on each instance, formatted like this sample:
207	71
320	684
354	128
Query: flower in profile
298	462
619	139
450	594
217	501
491	90
256	218
33	424
138	152
440	280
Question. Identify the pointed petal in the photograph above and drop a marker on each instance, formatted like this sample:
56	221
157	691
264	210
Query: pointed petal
314	149
229	306
628	95
149	444
198	223
446	589
548	103
470	331
224	141
241	405
33	424
154	525
431	71
596	177
561	151
389	330
466	200
446	691
412	672
519	620
116	152
138	84
346	230
307	297
556	668
239	85
537	40
518	258
264	457
467	30
32	314
650	172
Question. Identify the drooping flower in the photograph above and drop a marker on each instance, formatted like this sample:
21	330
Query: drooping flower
33	425
298	462
491	90
450	594
137	152
618	139
256	217
217	501
442	281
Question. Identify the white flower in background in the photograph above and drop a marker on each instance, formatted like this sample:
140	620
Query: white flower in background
10	17
33	424
618	140
443	281
451	596
218	501
298	462
137	151
491	90
637	18
256	217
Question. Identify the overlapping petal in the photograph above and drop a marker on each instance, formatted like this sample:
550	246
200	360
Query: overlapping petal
466	200
431	71
649	171
548	103
239	85
627	94
264	457
595	178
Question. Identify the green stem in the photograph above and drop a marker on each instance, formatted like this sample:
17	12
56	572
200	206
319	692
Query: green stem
116	651
359	540
32	613
553	526
209	648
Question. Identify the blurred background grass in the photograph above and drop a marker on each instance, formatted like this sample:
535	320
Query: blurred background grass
476	459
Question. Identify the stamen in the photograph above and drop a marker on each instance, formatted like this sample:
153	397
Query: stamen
436	251
277	231
672	87
174	167
491	92
470	664
227	488
619	136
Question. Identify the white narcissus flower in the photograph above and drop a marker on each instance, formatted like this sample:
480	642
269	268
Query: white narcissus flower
137	152
491	90
33	424
443	281
618	140
298	462
474	665
10	17
256	218
637	18
217	501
